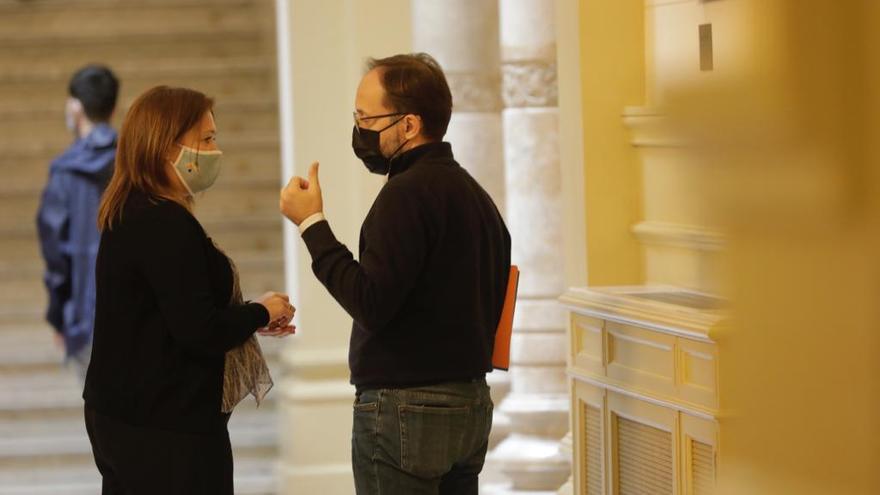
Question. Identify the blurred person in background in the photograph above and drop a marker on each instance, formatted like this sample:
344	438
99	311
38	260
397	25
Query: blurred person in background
67	218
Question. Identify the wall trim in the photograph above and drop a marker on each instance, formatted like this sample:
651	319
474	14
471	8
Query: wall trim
571	144
620	304
606	385
679	235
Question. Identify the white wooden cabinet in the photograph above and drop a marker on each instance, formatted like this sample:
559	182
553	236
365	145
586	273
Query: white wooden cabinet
643	372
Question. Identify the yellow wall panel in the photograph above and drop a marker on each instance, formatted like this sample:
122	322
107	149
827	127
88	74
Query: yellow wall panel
613	72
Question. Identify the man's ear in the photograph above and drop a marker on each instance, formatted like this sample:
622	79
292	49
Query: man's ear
74	107
74	103
412	126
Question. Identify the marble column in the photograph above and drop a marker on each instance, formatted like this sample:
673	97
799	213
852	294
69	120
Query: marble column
462	35
531	457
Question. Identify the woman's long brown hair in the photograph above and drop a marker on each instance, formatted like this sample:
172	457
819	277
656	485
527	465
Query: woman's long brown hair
155	122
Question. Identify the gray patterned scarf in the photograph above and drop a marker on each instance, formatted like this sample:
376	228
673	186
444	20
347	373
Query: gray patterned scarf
245	371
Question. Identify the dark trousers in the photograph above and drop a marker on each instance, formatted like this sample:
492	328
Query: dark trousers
426	440
137	460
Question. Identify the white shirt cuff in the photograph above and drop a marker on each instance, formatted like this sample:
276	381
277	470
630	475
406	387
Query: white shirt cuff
311	220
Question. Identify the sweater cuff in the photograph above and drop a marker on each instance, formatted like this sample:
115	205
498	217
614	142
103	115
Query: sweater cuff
311	220
319	239
260	313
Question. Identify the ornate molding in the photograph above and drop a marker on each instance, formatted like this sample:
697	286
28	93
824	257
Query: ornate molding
475	91
529	84
696	410
680	313
651	128
677	235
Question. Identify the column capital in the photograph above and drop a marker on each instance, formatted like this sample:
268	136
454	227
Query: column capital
475	91
529	84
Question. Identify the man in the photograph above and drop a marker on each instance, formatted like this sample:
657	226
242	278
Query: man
426	295
67	218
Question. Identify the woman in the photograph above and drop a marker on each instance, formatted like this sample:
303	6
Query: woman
174	347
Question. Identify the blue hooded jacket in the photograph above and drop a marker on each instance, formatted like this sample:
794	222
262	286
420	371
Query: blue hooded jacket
68	226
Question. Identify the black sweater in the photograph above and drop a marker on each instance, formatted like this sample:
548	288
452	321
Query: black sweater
163	320
427	294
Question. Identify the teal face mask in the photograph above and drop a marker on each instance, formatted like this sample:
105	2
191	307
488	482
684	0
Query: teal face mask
198	169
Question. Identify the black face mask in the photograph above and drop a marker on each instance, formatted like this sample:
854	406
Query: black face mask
365	143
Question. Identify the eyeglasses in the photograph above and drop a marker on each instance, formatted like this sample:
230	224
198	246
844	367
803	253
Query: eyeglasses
359	120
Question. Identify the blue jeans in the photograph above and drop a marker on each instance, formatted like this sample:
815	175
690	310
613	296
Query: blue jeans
425	440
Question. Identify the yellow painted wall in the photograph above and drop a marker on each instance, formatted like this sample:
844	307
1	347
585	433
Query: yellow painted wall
613	74
792	177
800	367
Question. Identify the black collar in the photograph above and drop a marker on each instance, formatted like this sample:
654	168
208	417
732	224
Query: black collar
404	161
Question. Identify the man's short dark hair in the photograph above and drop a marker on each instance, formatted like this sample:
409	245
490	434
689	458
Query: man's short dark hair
96	87
414	83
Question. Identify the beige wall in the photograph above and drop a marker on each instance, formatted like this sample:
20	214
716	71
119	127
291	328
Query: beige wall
327	43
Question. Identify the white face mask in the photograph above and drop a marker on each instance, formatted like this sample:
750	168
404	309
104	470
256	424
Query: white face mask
198	169
72	107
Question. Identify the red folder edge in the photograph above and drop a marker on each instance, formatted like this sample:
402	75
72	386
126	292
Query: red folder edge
501	353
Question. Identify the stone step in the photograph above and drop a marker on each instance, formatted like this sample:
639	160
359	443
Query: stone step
23	296
25	301
29	294
47	395
31	24
38	441
232	111
17	248
255	476
242	162
152	33
28	299
32	348
229	182
71	54
250	152
228	198
260	270
19	244
48	127
241	143
30	313
29	347
29	175
246	258
8	7
218	77
222	47
45	110
132	72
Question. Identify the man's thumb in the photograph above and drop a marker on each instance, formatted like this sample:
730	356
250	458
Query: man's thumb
313	175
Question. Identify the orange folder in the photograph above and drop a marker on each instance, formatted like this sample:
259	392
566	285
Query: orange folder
501	353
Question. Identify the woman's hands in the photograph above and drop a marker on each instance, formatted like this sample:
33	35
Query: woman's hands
280	314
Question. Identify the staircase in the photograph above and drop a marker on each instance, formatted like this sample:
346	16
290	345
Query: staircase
224	48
